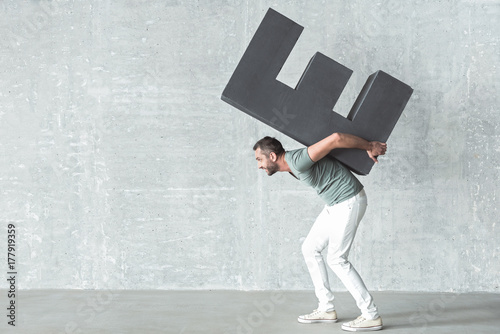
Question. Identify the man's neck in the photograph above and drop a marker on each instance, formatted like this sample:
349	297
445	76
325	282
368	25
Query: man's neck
283	165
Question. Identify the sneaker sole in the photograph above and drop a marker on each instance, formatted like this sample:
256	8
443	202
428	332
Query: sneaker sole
361	329
311	321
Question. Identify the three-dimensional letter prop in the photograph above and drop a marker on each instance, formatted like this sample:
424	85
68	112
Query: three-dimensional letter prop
306	112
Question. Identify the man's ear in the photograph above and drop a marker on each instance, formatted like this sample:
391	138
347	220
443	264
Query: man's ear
272	156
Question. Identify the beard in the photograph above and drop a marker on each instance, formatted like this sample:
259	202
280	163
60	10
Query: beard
272	168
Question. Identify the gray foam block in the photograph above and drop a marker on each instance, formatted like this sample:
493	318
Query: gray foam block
306	112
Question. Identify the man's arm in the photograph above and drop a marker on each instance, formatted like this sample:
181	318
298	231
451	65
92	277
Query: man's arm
343	140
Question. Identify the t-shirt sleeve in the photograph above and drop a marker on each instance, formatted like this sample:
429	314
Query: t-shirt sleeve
300	160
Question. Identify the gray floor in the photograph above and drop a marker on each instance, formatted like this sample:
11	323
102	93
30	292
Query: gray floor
224	312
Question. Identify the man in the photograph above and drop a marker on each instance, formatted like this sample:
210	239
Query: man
336	225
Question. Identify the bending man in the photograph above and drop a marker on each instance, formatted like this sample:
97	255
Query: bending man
336	225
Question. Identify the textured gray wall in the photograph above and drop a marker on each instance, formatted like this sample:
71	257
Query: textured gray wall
123	169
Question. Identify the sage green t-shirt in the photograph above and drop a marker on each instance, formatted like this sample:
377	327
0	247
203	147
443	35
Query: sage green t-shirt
333	182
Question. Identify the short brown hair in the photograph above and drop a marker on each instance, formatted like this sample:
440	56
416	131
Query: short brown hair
268	145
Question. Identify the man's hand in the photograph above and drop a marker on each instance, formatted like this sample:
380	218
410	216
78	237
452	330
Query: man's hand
376	149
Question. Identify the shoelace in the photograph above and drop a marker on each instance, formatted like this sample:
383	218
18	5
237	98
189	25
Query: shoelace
358	320
315	312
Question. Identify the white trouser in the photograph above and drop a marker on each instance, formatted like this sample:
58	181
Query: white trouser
335	228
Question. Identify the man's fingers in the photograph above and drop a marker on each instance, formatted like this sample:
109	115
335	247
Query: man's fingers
383	148
373	157
378	149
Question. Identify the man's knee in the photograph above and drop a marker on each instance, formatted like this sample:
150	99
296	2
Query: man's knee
310	248
307	249
337	263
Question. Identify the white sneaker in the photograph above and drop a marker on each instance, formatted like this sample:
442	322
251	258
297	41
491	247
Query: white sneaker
318	316
362	324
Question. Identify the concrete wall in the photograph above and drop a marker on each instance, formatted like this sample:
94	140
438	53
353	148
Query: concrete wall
121	168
